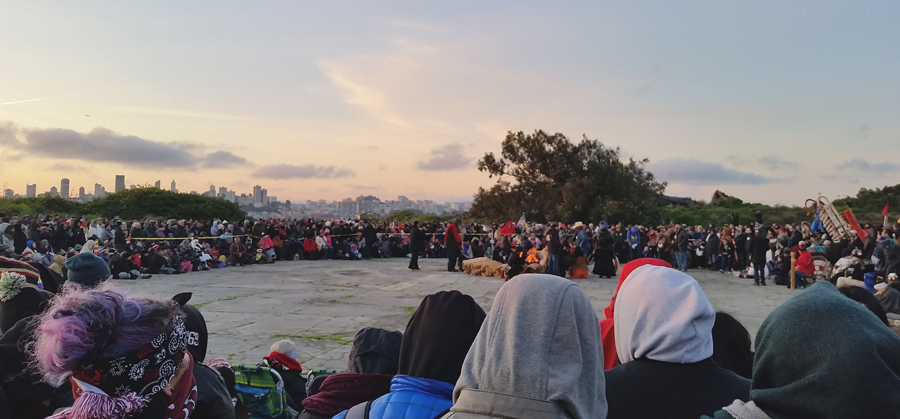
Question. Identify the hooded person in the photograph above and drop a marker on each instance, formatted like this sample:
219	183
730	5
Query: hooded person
213	398
125	357
848	365
538	355
19	299
732	349
86	270
432	352
663	329
607	336
372	363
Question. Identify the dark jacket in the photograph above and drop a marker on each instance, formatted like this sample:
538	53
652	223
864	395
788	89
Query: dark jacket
681	241
759	245
213	399
678	390
155	263
416	240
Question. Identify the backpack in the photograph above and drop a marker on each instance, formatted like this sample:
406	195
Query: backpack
261	389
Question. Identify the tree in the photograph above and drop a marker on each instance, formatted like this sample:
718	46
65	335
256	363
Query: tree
550	178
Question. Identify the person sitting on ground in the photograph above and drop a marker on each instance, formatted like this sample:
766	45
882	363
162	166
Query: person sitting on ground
849	366
260	258
607	325
805	267
86	270
159	262
861	295
432	352
559	376
310	249
732	349
323	246
125	356
373	362
663	327
888	297
579	268
214	400
283	359
121	266
238	253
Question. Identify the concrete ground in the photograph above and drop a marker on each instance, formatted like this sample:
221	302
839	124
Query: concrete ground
320	305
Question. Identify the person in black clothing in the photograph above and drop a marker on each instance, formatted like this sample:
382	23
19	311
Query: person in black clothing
416	245
604	254
370	236
620	240
553	251
742	245
759	245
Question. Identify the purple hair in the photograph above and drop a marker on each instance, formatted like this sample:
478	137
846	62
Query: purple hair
86	326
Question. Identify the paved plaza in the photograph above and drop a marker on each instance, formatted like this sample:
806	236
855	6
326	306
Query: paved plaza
320	305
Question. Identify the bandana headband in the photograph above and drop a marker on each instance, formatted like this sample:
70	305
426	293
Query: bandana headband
141	373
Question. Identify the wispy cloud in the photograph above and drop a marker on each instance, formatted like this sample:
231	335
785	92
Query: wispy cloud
15	102
369	99
860	165
184	113
696	172
448	157
309	171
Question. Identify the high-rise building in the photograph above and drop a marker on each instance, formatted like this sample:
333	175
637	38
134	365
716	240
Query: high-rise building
53	191
31	190
99	191
158	185
64	187
173	188
120	183
257	194
212	190
8	193
222	191
81	193
263	196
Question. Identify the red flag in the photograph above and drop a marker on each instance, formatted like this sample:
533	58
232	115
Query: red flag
884	211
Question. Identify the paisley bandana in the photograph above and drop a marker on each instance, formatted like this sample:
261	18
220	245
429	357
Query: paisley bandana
144	372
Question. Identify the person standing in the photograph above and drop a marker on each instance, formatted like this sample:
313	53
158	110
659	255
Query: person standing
553	249
370	236
454	246
416	245
759	245
681	247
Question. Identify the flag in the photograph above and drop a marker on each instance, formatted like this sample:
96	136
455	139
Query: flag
884	212
522	219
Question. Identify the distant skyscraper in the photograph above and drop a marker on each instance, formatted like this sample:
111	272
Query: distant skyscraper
81	193
158	185
257	194
173	188
64	187
120	183
8	193
212	190
54	191
99	191
222	191
31	190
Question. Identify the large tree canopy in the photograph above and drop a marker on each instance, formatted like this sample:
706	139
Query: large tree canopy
550	178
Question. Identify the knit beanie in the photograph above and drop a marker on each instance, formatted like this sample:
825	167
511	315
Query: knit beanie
19	299
87	269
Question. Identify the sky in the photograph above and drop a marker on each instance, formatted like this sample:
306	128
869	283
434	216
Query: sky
773	102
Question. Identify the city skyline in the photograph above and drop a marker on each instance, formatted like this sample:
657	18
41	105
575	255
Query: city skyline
772	102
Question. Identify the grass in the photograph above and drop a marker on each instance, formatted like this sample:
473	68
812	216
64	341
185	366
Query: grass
338	338
409	309
337	300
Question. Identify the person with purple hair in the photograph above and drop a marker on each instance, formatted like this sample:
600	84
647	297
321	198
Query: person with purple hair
125	357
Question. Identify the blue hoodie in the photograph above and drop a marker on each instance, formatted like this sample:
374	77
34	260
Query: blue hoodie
411	398
634	237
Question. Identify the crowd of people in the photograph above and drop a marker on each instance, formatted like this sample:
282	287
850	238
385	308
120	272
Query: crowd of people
92	352
73	346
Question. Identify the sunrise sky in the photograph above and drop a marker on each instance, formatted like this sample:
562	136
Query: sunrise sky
770	101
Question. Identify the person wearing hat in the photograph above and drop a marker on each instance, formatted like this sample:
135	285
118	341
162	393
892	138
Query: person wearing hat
19	299
87	270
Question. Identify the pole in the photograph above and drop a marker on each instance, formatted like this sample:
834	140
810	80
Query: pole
793	269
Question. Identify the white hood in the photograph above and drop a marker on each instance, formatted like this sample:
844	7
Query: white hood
663	315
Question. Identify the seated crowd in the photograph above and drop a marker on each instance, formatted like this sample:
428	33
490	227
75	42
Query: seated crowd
73	346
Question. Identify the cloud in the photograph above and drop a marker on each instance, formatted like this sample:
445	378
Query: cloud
103	145
860	165
8	134
695	172
448	157
66	167
773	162
222	159
290	171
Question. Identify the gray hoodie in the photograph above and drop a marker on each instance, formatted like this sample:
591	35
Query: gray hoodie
676	328
538	354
